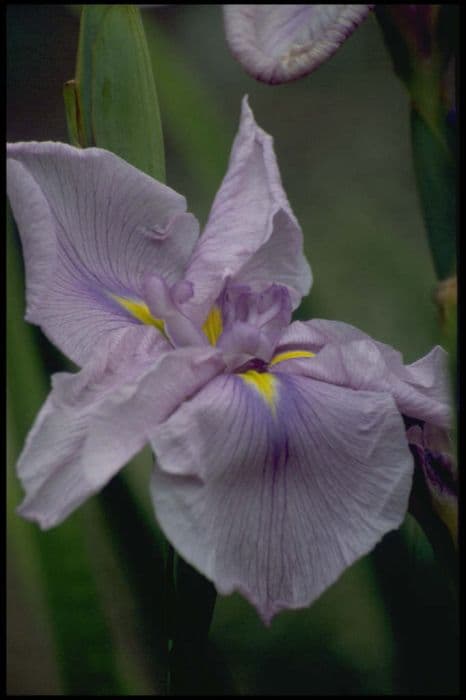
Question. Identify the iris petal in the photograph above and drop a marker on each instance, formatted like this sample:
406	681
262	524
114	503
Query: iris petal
350	357
276	503
251	235
94	421
91	226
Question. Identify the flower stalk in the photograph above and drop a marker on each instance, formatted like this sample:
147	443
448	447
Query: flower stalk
421	40
190	607
107	107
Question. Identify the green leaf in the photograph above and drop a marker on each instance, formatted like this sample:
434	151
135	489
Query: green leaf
85	652
125	112
26	390
140	551
81	630
436	176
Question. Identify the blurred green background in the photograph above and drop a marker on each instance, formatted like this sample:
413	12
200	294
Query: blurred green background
388	626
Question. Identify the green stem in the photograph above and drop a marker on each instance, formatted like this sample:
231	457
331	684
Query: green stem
424	73
436	178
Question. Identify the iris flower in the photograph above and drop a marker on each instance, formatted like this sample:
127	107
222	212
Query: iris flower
279	43
281	450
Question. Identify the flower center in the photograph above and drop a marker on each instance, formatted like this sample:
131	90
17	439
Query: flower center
264	383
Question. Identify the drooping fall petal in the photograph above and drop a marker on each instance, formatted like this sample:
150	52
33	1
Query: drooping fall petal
93	422
92	227
251	236
348	356
272	484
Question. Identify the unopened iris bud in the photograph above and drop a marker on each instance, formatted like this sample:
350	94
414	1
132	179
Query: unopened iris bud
436	470
115	89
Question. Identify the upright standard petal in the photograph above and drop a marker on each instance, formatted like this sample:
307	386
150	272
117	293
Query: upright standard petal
252	322
93	422
279	43
92	227
272	485
251	236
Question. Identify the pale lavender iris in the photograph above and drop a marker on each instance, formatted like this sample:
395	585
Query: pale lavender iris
279	43
281	453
